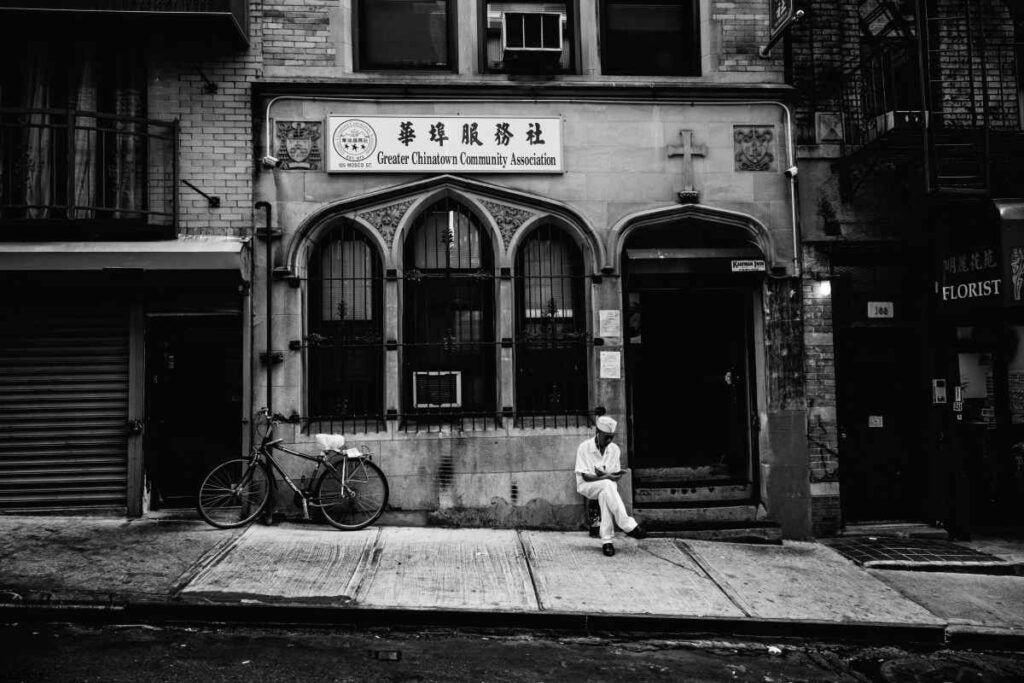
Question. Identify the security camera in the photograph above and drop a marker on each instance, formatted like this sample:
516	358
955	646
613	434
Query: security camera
270	162
791	172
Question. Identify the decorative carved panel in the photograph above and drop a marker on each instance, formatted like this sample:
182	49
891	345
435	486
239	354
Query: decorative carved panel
755	148
298	144
386	219
508	218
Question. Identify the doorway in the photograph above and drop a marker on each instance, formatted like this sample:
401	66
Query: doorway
193	402
876	425
689	359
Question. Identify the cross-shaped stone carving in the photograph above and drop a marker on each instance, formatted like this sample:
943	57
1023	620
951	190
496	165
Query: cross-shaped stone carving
687	150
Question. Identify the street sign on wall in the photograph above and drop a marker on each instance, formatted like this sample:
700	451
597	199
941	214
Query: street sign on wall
456	144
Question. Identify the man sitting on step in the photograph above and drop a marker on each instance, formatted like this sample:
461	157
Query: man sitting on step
597	470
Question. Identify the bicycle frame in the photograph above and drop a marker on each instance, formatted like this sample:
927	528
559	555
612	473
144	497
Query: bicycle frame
264	453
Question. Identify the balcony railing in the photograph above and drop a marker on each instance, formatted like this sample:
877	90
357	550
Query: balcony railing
73	172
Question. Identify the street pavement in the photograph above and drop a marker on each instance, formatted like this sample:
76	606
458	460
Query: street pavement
183	570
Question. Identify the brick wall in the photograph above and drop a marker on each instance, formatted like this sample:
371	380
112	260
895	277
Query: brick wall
783	322
298	33
819	371
967	48
215	142
826	39
825	516
742	27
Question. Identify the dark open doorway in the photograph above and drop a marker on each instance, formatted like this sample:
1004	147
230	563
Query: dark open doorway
193	402
690	382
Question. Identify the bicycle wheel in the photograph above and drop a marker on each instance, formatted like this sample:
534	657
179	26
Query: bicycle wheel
357	501
233	493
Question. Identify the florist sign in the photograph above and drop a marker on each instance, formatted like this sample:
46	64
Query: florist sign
460	144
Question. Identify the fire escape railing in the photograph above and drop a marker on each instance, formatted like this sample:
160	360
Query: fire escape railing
948	98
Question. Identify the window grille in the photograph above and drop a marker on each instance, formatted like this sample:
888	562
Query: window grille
449	309
551	340
345	341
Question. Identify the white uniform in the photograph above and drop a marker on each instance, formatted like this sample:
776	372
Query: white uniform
604	491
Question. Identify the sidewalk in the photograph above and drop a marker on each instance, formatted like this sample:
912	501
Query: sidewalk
153	569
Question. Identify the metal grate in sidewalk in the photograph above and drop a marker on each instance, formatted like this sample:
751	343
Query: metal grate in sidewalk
920	554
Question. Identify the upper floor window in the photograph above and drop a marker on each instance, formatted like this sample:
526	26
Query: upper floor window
405	34
650	37
529	36
74	146
449	352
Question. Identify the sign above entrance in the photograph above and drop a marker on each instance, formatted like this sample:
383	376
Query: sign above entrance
748	266
444	144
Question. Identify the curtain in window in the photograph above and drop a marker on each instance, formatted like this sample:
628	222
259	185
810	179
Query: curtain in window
73	154
347	268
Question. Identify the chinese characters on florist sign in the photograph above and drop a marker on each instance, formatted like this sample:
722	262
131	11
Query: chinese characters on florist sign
432	144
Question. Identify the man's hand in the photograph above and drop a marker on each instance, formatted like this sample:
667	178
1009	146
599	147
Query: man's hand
615	476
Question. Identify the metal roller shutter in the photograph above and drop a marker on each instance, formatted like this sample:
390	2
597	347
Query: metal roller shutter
63	405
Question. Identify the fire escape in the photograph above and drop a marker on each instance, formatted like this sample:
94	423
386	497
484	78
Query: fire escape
937	94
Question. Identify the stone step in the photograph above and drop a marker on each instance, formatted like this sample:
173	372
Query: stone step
696	517
691	493
758	532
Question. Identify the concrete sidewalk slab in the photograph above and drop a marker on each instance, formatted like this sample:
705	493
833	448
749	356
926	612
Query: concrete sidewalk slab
965	599
647	577
83	558
804	581
287	564
471	569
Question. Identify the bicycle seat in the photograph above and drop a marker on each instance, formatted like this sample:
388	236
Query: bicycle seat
330	442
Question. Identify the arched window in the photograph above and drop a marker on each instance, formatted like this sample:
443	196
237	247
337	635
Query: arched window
345	327
551	344
448	346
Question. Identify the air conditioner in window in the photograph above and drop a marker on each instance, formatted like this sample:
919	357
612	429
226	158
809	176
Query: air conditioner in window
531	38
437	389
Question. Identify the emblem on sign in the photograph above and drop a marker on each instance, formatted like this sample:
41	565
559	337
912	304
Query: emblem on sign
354	140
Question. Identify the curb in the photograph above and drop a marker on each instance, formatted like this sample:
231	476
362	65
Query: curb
861	633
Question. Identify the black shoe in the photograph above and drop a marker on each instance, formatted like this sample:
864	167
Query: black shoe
637	533
608	549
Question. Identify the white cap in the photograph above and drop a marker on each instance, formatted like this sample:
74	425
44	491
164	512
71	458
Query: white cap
606	424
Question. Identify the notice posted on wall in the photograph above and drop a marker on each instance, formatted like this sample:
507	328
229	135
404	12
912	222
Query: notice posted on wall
610	362
610	323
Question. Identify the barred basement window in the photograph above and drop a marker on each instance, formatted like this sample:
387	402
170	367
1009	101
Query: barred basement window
551	342
448	346
345	327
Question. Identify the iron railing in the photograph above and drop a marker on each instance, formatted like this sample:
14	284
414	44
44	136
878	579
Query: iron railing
86	168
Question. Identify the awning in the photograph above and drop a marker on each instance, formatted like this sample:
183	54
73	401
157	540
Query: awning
185	253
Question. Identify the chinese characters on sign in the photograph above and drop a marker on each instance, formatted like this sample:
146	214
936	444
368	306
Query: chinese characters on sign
971	275
780	15
417	144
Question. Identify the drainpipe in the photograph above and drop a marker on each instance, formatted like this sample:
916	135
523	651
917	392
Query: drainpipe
270	303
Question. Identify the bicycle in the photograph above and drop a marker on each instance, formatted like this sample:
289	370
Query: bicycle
350	490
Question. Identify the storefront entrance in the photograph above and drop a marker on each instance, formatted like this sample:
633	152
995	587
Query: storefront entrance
193	402
689	381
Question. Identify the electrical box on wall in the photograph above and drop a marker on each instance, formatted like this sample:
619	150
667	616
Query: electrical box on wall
938	391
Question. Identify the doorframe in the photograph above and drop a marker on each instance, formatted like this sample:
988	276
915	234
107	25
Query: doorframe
136	471
755	390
